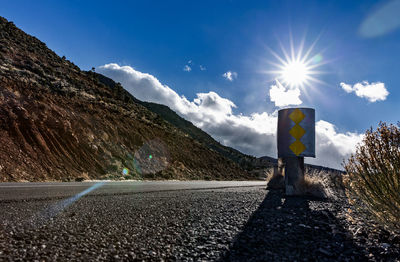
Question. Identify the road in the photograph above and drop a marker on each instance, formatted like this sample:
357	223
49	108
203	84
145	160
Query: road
150	220
169	221
49	190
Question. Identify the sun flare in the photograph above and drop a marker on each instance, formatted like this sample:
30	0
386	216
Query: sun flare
296	70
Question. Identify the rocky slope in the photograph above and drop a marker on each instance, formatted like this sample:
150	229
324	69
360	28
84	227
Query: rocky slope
60	123
245	161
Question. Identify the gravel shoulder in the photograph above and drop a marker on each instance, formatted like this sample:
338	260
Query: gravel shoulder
229	224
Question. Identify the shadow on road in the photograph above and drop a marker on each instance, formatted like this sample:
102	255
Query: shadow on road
286	229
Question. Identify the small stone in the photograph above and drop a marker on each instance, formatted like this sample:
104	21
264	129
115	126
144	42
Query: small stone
325	252
385	245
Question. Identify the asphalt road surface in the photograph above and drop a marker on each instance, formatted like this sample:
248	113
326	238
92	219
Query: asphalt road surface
29	191
168	221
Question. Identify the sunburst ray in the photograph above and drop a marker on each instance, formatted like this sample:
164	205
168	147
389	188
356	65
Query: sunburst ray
297	68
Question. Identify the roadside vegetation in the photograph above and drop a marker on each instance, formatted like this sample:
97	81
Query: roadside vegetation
309	185
373	178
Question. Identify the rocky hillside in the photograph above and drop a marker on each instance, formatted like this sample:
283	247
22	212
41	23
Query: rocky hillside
60	123
245	161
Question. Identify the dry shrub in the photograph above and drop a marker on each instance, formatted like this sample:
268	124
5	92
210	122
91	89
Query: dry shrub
275	179
330	179
311	186
374	174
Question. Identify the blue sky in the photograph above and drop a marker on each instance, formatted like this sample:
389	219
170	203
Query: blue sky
161	37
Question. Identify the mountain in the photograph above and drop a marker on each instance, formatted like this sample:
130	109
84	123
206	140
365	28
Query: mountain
245	161
58	122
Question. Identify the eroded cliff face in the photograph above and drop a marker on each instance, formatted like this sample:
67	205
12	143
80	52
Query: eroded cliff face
60	123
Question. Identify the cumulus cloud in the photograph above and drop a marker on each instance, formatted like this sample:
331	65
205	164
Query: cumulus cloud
346	87
202	68
187	68
333	147
253	134
230	75
372	92
283	96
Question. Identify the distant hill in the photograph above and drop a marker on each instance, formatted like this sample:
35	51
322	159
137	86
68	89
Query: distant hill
60	123
169	115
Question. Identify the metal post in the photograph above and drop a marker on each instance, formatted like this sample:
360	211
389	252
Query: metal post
294	172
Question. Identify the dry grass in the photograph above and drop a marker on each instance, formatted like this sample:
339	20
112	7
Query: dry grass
311	186
374	174
275	179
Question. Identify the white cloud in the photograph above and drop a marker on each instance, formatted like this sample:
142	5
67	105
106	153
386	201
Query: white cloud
283	96
332	147
202	68
187	68
254	134
372	92
230	75
346	87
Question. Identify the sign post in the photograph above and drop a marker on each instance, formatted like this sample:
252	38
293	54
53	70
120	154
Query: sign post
296	140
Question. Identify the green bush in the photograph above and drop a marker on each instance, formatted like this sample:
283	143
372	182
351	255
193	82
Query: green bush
374	174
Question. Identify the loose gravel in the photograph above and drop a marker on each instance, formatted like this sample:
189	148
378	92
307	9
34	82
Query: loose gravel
234	224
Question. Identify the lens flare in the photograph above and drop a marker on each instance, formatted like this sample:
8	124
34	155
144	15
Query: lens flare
152	157
382	21
125	171
317	59
49	213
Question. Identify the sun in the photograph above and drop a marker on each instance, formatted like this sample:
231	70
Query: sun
295	73
297	69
